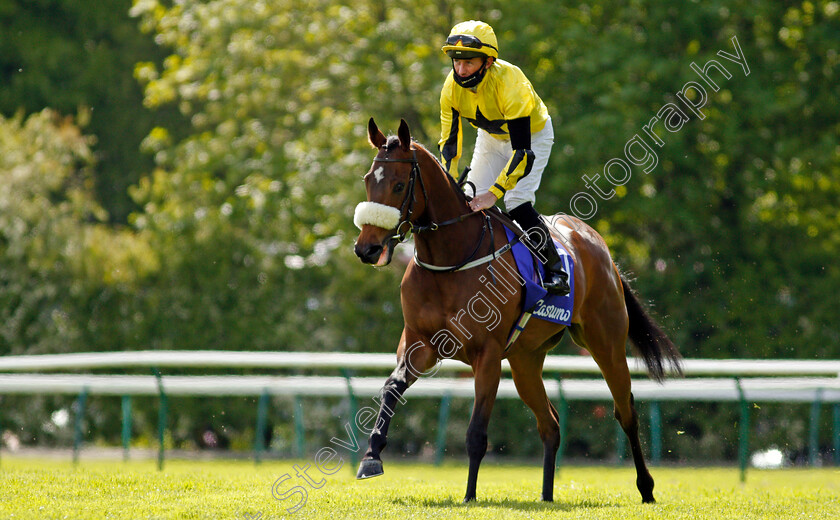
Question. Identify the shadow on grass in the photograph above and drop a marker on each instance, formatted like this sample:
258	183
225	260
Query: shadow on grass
521	505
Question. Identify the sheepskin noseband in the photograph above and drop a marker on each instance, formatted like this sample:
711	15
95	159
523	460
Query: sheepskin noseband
376	214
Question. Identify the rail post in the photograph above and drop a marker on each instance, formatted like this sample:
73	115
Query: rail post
837	434
300	432
562	419
162	413
655	433
814	430
79	424
259	435
351	396
620	443
126	426
443	421
744	431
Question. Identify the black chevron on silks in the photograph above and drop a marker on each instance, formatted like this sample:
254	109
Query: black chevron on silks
492	126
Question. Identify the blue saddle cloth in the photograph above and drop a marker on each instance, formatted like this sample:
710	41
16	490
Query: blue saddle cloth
541	304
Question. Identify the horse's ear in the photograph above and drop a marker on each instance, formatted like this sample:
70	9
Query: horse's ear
405	136
375	135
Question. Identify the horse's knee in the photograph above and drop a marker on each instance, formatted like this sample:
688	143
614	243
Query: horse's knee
394	387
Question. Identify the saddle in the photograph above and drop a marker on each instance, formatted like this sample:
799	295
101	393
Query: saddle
538	302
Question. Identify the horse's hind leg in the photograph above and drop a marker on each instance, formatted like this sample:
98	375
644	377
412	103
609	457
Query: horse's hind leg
527	376
631	427
617	376
613	365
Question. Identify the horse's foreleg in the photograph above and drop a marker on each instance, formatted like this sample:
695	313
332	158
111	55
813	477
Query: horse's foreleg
396	384
487	373
411	364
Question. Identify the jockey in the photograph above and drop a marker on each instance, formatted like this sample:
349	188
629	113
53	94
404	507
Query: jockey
514	136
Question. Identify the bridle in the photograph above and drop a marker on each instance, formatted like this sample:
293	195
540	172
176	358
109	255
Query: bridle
405	226
407	206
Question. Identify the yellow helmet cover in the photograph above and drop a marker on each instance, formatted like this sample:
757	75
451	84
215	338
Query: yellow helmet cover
471	39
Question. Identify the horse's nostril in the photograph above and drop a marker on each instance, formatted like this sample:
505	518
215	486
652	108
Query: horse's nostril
373	253
368	254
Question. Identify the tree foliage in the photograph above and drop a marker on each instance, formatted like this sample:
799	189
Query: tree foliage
278	95
73	54
58	257
241	235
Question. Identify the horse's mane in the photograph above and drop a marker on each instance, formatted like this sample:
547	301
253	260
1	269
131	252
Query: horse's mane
393	142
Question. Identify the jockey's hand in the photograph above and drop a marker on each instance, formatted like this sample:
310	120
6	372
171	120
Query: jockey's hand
483	201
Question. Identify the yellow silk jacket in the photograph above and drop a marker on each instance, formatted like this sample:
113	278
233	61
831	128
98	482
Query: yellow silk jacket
506	106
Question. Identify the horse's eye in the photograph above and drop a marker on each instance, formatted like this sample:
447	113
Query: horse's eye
399	187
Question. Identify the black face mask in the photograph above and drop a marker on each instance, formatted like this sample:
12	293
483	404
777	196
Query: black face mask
473	79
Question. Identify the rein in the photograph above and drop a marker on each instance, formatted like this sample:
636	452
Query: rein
407	208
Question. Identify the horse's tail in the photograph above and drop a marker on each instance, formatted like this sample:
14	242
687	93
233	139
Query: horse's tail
650	340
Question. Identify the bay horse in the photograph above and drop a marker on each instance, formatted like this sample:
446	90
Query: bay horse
409	191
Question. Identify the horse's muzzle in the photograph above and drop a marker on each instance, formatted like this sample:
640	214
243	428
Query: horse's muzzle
378	254
368	253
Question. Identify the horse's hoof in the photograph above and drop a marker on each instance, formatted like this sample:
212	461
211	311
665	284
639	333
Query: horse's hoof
369	468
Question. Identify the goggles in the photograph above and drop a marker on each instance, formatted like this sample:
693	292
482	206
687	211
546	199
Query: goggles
468	41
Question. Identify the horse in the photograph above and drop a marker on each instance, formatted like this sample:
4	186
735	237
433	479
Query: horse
408	191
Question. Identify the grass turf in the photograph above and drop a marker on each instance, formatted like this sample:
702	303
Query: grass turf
243	490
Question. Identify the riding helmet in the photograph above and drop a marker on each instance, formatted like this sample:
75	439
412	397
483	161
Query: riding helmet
471	39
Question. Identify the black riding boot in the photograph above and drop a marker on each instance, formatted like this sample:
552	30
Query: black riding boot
556	280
